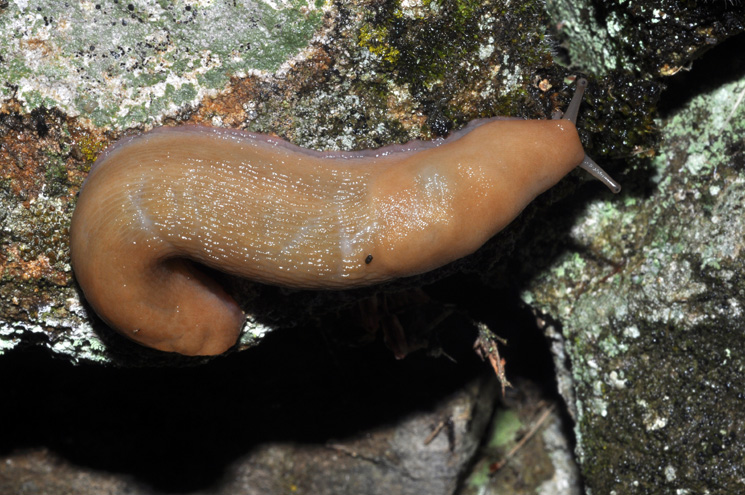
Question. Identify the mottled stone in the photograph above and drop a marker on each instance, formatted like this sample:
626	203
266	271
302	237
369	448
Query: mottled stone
659	38
649	294
128	63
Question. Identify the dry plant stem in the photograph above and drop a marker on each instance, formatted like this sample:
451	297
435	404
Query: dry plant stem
493	468
486	346
442	424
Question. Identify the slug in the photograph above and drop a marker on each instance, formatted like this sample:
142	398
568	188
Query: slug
156	206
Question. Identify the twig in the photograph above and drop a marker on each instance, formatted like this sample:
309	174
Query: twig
442	424
486	347
494	467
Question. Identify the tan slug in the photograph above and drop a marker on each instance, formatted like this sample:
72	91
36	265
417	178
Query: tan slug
261	208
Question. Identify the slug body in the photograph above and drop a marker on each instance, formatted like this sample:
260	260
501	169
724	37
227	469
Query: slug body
261	208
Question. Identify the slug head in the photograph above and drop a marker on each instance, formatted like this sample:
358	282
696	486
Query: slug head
587	163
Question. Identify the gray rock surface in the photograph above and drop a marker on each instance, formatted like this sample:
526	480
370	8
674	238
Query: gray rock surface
645	288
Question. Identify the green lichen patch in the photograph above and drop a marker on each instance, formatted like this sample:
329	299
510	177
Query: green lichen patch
120	63
649	292
656	38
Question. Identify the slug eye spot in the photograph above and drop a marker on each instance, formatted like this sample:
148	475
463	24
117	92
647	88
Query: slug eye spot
368	260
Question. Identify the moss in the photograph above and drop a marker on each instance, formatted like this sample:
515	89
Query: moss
618	117
90	148
479	477
56	177
664	414
419	47
370	38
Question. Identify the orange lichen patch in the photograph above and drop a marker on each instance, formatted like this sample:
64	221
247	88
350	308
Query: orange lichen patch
237	105
17	152
14	168
14	266
36	44
27	148
400	109
45	151
231	105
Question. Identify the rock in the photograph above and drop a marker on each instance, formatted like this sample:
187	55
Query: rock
649	296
